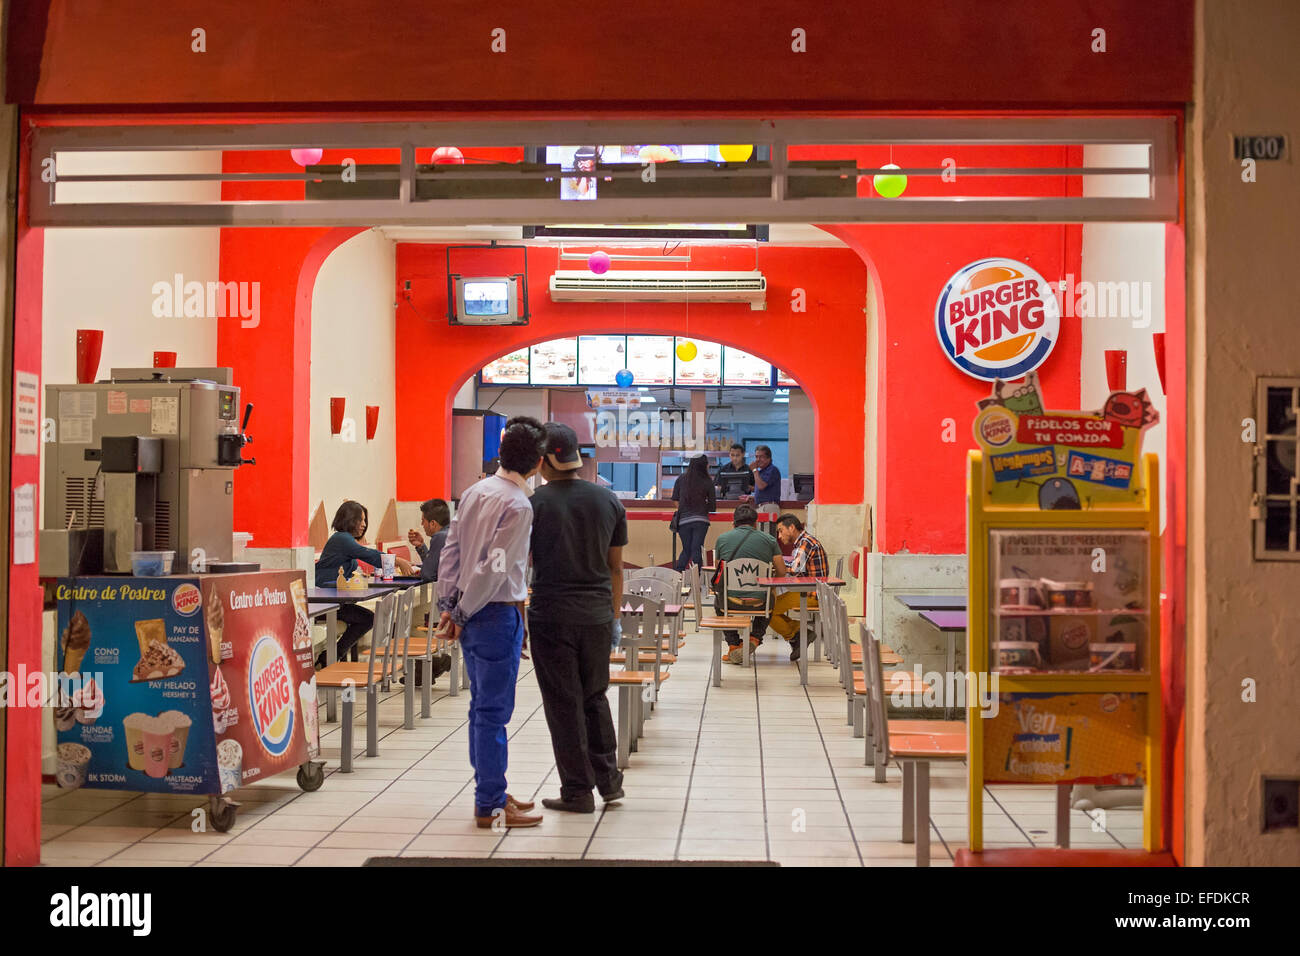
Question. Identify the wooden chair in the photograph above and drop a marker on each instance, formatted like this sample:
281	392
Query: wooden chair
913	744
695	594
348	676
401	655
665	592
901	682
717	625
631	685
645	627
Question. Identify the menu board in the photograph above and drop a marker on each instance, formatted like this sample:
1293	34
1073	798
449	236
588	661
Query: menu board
650	359
509	369
741	368
600	358
186	686
705	368
555	362
785	381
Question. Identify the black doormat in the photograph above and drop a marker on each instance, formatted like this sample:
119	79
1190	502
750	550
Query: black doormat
516	861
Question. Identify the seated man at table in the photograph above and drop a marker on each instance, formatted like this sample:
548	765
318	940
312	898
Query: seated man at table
807	559
746	541
435	515
343	550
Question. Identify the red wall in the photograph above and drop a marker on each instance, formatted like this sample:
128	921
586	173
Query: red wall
724	54
824	348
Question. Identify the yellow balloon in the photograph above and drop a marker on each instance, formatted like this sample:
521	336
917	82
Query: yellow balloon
687	351
736	154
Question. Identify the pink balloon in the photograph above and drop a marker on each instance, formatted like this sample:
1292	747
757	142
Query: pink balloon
448	154
598	262
308	156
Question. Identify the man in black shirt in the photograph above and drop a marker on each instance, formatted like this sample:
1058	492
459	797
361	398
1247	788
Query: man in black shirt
579	530
735	474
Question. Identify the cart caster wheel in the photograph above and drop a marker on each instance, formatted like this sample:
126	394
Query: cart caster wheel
222	815
311	776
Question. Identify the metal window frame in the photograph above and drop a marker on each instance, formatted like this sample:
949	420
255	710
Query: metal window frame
1157	132
1261	497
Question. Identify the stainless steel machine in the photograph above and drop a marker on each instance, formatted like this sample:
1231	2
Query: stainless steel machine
144	461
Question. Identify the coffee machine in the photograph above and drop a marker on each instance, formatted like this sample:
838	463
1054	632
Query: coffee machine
144	461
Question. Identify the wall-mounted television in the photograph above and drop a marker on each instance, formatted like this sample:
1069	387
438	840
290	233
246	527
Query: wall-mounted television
487	300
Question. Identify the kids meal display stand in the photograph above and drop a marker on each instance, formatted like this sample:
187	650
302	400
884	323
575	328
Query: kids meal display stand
1139	517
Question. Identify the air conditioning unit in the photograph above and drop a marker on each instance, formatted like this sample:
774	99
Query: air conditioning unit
660	286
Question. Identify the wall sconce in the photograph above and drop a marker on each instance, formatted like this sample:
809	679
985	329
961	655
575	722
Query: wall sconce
372	421
1158	343
336	415
1117	369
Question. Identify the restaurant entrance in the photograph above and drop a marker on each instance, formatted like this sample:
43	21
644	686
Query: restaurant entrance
332	308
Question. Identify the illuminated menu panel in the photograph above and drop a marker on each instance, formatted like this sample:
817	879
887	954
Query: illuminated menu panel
555	362
650	359
741	368
600	358
705	368
785	381
509	369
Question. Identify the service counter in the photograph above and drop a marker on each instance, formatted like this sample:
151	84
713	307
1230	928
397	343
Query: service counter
648	534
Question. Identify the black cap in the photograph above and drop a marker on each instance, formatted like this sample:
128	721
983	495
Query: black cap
562	447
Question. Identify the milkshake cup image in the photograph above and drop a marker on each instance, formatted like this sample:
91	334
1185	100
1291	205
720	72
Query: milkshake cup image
133	727
220	695
310	717
180	724
230	765
73	762
156	735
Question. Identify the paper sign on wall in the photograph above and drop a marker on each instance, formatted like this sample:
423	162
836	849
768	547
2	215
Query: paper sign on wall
27	404
25	524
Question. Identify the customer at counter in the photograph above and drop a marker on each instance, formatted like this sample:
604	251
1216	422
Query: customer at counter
693	491
746	541
435	516
735	473
767	477
343	550
807	557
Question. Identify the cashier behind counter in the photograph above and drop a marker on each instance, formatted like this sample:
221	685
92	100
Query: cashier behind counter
734	478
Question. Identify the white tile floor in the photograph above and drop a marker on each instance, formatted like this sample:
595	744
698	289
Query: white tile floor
758	769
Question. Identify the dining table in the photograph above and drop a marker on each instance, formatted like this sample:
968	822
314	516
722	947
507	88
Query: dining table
804	585
949	623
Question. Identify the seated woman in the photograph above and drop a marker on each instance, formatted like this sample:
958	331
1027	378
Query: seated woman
342	550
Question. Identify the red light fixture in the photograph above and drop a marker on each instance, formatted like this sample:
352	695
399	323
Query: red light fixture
336	414
1117	369
372	421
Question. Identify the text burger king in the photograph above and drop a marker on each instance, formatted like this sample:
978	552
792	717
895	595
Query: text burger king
997	319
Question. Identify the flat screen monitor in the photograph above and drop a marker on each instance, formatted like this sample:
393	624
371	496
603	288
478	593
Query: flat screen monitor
706	366
741	368
734	487
650	359
554	362
803	487
510	369
785	381
487	300
601	358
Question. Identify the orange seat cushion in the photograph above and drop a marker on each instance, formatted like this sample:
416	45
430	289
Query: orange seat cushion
1052	856
920	746
635	677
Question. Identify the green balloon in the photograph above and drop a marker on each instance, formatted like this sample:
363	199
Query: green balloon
889	185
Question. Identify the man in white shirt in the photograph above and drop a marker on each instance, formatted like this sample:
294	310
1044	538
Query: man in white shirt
481	593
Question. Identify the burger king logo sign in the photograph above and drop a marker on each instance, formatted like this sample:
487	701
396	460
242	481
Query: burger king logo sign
270	696
997	319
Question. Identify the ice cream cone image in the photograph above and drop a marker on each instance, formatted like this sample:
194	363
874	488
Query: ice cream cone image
75	643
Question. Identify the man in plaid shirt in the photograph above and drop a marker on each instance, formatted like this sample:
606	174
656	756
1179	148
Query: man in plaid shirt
808	559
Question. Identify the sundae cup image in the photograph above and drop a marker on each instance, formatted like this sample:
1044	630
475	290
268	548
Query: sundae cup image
180	724
88	702
65	715
310	718
216	617
133	728
73	761
230	764
220	701
75	642
156	735
301	633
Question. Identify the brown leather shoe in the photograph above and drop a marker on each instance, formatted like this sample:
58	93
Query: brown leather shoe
508	817
519	804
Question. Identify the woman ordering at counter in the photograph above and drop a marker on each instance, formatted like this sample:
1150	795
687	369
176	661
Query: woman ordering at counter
695	497
343	550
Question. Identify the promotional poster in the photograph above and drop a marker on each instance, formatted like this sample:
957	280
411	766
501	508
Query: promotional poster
200	684
1066	738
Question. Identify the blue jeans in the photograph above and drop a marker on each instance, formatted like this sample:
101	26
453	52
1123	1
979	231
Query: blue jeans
491	641
692	534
